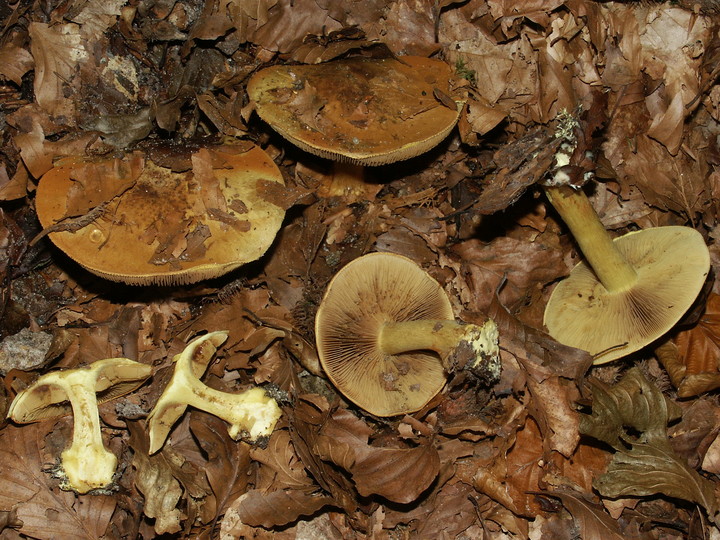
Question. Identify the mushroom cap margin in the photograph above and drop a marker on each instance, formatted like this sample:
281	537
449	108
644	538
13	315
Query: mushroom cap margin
672	264
367	292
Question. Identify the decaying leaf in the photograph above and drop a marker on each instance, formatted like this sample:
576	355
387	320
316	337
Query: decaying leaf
632	417
154	478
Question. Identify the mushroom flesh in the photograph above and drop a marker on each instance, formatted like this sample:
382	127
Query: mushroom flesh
251	414
86	463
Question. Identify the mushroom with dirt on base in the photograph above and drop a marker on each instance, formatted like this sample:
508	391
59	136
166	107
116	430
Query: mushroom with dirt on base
86	464
386	336
251	414
630	290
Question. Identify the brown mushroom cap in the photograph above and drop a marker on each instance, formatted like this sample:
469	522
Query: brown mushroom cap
671	264
160	226
47	397
366	293
366	111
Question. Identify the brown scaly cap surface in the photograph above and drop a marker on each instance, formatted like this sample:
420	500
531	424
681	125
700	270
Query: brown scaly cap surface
369	291
366	111
671	264
157	226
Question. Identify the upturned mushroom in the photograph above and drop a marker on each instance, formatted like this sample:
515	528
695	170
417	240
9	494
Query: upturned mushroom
386	336
358	111
629	291
86	463
251	414
134	221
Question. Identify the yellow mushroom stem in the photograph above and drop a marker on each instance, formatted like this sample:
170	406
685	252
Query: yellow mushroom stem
251	411
610	266
87	464
444	337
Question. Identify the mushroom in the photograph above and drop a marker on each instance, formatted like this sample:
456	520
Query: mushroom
251	414
630	290
149	224
386	335
358	111
86	463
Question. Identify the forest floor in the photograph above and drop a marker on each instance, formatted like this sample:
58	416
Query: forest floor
555	448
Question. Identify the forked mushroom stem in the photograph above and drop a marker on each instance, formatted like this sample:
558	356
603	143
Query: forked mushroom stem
610	266
86	462
252	412
442	336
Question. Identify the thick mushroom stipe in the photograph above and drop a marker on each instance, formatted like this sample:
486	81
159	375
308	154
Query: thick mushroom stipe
86	463
671	265
386	335
250	414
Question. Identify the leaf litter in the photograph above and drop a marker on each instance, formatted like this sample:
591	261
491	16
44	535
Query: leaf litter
557	448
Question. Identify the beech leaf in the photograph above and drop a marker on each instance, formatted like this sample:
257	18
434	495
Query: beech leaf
649	469
45	512
277	508
398	474
633	413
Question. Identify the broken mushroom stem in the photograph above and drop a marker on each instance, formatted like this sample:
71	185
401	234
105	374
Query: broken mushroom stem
444	337
238	410
252	413
610	266
86	462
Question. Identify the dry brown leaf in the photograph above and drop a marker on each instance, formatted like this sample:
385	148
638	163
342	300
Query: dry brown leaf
277	508
398	474
15	62
309	413
45	510
282	468
288	22
522	266
57	51
591	520
513	476
699	352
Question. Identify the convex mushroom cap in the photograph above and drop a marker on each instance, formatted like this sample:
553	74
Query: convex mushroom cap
134	221
86	462
386	335
251	414
361	111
